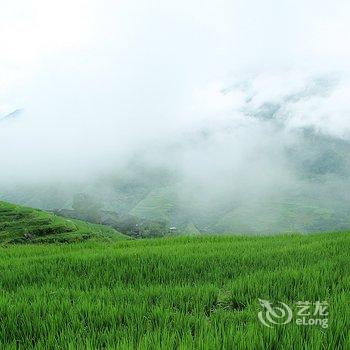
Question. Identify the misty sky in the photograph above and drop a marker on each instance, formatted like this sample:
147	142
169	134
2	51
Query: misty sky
98	79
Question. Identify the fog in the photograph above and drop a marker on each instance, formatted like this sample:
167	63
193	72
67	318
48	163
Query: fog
222	109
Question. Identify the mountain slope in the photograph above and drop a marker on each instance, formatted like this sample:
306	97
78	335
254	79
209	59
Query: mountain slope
27	225
157	205
308	194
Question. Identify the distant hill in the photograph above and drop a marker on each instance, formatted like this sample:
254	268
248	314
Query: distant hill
142	199
20	224
157	205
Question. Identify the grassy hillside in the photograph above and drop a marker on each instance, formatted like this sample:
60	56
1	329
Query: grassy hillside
158	205
173	293
26	225
312	195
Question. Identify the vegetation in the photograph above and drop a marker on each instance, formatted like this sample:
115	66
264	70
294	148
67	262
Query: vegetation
173	293
127	224
310	196
26	225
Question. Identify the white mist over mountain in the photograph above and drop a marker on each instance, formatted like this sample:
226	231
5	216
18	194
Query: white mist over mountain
214	92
